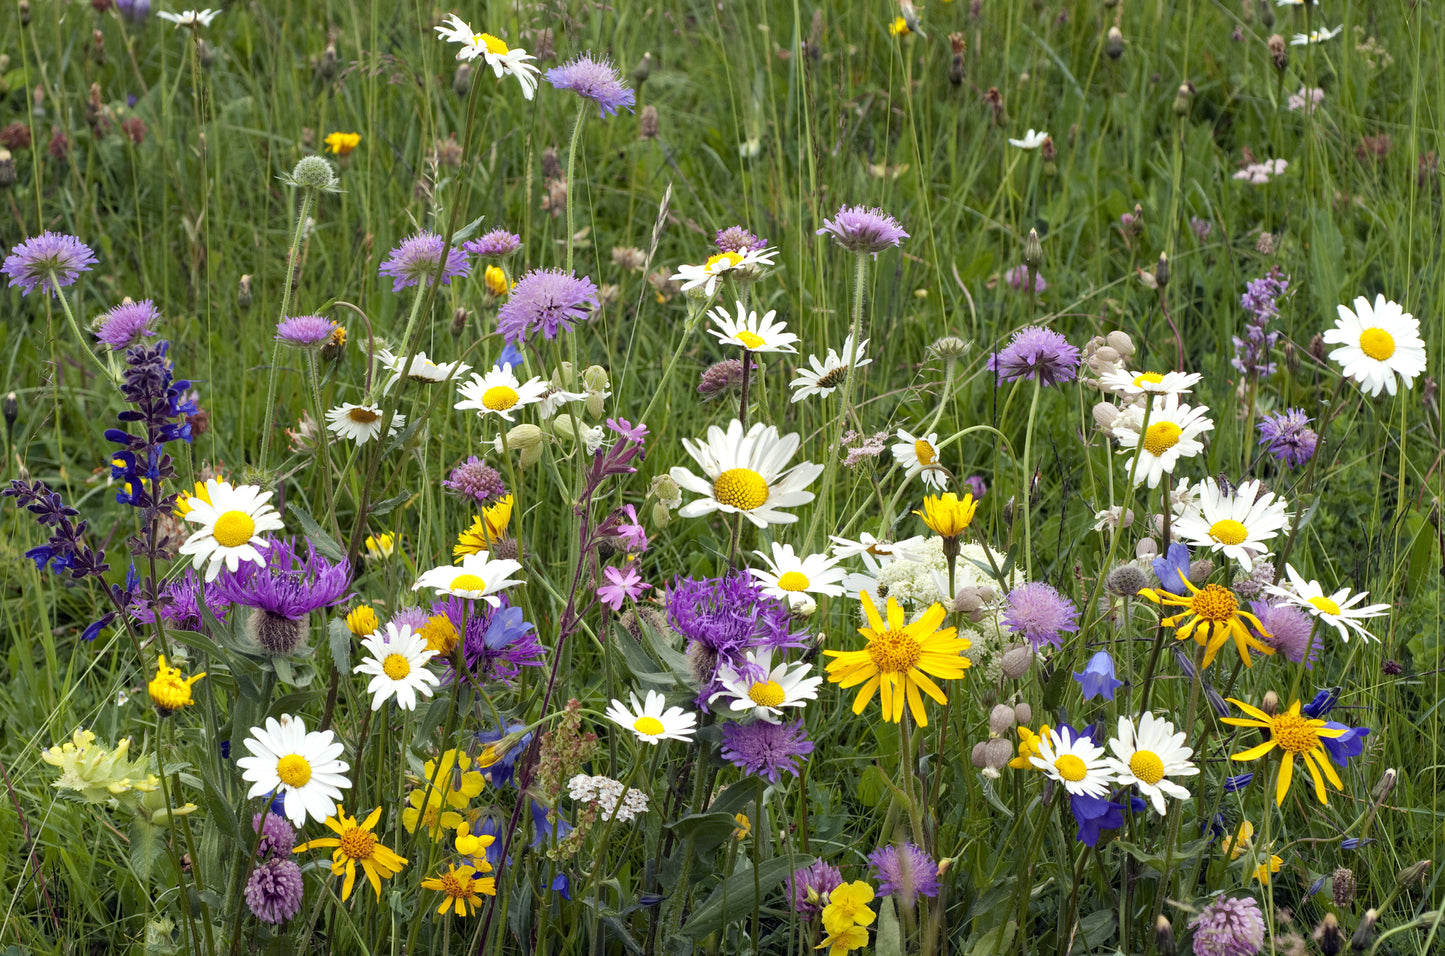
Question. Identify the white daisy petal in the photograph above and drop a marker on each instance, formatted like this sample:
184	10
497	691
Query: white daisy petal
744	474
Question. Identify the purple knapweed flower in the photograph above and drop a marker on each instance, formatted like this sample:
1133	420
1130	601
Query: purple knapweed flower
722	619
906	871
1251	353
767	750
546	302
595	80
286	586
1097	678
179	603
736	239
418	258
476	480
1288	437
274	891
1040	613
496	244
808	886
863	229
1228	926
1036	352
48	262
305	331
1018	277
126	324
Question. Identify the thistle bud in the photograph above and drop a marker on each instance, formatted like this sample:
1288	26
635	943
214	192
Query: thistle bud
642	70
462	79
1381	789
1363	933
1278	51
1164	937
7	169
276	635
1328	934
1033	250
1181	100
243	292
1000	719
1023	713
1114	43
1161	271
1270	704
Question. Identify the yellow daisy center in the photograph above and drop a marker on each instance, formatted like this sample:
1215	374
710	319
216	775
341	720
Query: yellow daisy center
357	843
468	582
1294	734
1071	768
362	416
1146	766
1377	344
766	693
1325	604
1228	532
740	488
924	451
493	45
1214	603
499	398
723	261
1148	378
294	770
793	581
455	886
894	652
749	339
396	666
233	529
1160	437
648	725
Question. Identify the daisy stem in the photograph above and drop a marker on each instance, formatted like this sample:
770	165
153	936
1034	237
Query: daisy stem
1026	498
75	327
743	400
693	319
308	196
1308	481
1190	713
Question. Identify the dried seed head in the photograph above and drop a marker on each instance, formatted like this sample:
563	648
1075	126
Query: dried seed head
1278	51
1126	580
276	635
949	348
1114	43
647	122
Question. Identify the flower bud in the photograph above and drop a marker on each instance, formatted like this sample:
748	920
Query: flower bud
1000	719
1278	51
7	169
1146	549
1363	933
1164	937
1105	413
647	122
595	404
23	8
1016	661
460	318
205	54
1381	789
1266	14
1114	43
1328	934
12	410
327	66
313	172
524	437
1121	343
1270	704
1023	713
997	753
955	69
243	292
977	757
1200	569
643	69
1033	250
1181	100
462	79
1161	271
1412	874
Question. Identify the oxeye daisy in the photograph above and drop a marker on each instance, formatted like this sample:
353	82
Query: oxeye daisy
1124	382
230	520
356	844
302	766
919	456
908	548
1033	139
1173	433
494	51
1074	761
1316	36
461	887
1211	617
654	720
790	576
479	578
190	18
706	276
758	689
828	374
499	392
1148	755
1376	344
419	369
397	667
1237	524
360	423
746	473
1296	736
750	332
1339	610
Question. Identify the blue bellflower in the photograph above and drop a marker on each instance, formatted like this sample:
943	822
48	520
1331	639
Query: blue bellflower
1097	679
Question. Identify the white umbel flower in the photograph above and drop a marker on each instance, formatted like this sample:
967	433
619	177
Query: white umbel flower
1123	382
397	666
231	519
1238	524
747	474
790	577
419	369
1173	433
360	423
1033	139
190	18
1148	755
828	374
1377	343
479	577
304	767
919	456
749	331
1339	610
499	392
760	690
1074	762
654	720
706	276
500	57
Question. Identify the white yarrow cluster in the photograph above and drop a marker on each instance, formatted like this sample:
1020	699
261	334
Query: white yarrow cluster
609	795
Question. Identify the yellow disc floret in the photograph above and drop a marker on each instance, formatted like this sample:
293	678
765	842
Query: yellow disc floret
1377	344
233	529
740	488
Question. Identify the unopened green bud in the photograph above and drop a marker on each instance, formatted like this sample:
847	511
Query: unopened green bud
595	379
1365	931
1033	250
315	173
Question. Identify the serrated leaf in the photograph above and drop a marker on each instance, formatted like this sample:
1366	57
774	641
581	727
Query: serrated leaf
339	641
324	544
389	505
736	896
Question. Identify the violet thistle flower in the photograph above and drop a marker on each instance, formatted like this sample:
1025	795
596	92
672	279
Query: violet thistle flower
1251	353
1228	926
1287	437
1018	277
163	412
418	258
274	891
1040	613
806	887
1036	352
766	750
862	229
475	480
736	239
305	331
179	604
906	870
595	80
496	244
722	619
126	324
47	262
546	302
496	642
284	592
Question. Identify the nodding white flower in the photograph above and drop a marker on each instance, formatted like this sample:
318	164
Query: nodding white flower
1318	36
790	577
1376	344
752	333
829	373
760	690
304	767
190	18
499	392
360	423
907	548
746	474
1033	139
231	519
1237	524
420	369
1339	610
479	577
1123	382
707	275
397	666
1075	762
920	456
1148	755
495	52
654	720
1173	433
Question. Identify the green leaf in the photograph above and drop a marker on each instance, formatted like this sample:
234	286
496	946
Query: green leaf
997	941
889	941
1327	252
705	830
872	789
324	544
389	505
339	640
1097	928
738	797
735	897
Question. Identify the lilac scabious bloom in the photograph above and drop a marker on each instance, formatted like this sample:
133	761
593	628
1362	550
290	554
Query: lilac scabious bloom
1228	926
274	891
126	324
1251	353
1018	277
766	749
1040	613
278	836
1036	352
305	331
1097	679
179	603
863	229
134	10
47	262
808	886
475	480
722	619
1290	630
412	617
496	244
906	871
595	80
545	302
418	257
736	239
1288	437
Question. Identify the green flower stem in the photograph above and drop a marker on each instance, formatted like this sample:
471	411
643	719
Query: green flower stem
694	319
571	182
79	336
1026	496
308	196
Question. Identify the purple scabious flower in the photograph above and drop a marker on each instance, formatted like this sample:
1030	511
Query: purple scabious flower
474	479
305	331
905	870
418	257
1251	353
722	619
126	324
595	80
546	301
47	262
179	603
1040	613
412	617
807	886
736	239
134	10
285	586
1288	437
863	229
1290	630
496	642
278	836
1036	352
766	749
496	244
1228	926
1018	277
274	891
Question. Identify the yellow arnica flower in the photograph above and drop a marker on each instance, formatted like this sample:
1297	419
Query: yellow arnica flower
362	621
496	281
1296	735
744	827
899	28
185	502
946	515
486	528
169	690
470	845
1028	747
837	944
899	659
460	887
1237	845
342	143
434	816
1212	617
381	546
355	843
848	907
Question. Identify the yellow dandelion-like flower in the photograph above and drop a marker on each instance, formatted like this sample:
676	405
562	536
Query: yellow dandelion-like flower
169	690
379	547
356	844
486	528
440	634
947	515
362	620
1297	736
1028	747
496	281
461	889
342	143
185	502
899	28
1212	617
1242	842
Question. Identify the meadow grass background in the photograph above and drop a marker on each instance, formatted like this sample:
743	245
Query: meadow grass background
827	108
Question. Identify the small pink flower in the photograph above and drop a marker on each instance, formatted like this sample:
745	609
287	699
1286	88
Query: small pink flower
623	584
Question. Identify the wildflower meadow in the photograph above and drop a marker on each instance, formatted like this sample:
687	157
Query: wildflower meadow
758	477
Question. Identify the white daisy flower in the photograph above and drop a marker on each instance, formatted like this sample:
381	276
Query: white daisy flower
283	756
501	58
1318	36
360	423
907	548
1237	524
1032	140
420	369
1339	610
1377	344
789	577
1148	755
499	392
707	275
1123	382
920	456
650	721
760	690
749	332
190	18
1173	433
397	666
747	474
554	398
1074	762
479	577
829	373
231	519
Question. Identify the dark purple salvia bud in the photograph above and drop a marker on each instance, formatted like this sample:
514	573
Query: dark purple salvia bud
65	551
161	410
